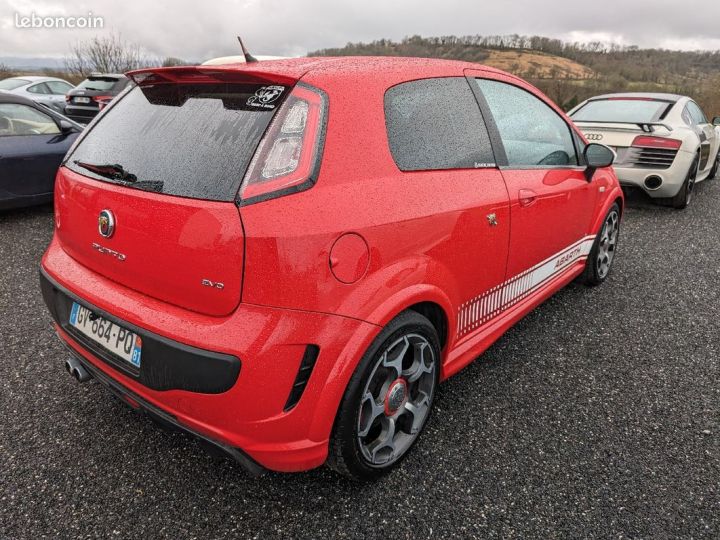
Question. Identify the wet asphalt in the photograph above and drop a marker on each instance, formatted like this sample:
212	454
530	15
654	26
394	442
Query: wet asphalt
597	416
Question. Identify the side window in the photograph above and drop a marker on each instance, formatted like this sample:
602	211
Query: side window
532	133
436	124
687	117
39	89
697	114
17	119
59	87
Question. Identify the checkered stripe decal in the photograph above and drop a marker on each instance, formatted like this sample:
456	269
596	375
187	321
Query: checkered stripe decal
481	309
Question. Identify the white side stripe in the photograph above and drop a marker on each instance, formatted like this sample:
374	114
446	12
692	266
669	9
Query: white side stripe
484	307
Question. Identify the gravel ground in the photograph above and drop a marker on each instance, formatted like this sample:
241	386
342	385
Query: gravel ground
596	416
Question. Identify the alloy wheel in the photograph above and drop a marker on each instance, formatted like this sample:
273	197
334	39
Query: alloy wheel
396	400
608	243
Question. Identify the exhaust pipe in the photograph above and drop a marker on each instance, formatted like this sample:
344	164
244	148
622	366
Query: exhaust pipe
76	369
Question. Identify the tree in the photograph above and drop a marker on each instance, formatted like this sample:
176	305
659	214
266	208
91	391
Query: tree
107	54
171	61
6	72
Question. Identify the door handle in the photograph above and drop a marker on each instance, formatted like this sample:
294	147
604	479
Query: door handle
527	197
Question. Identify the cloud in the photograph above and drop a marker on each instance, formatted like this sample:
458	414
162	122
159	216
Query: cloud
198	30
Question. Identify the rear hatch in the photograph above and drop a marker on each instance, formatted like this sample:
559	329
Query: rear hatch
162	169
87	97
633	127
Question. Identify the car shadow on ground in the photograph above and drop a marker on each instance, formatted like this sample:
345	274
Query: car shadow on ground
18	214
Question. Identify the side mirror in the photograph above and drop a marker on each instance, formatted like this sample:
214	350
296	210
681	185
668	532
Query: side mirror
66	127
716	121
597	156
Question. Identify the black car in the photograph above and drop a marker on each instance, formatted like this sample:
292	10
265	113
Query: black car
33	142
89	97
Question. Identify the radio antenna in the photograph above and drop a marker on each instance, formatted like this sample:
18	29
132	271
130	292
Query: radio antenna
249	58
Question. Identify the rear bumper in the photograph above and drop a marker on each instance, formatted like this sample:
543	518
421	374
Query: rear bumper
672	178
80	114
167	364
251	417
162	417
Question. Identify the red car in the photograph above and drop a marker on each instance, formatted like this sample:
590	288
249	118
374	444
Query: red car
285	258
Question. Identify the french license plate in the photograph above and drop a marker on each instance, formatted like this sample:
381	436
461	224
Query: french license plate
81	100
124	343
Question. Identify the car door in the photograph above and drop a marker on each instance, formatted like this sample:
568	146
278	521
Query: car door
707	134
439	141
551	201
58	89
31	149
41	93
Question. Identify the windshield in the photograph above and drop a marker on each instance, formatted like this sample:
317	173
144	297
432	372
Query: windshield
622	110
12	84
97	84
189	140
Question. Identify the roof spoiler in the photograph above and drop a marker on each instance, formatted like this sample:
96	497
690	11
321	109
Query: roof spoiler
647	127
208	74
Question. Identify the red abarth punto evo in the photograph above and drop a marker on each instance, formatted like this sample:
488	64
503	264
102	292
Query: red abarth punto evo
285	258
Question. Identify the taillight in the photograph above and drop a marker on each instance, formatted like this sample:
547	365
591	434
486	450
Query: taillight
644	141
286	159
102	101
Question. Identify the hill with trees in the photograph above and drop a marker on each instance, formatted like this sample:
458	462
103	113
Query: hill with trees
567	72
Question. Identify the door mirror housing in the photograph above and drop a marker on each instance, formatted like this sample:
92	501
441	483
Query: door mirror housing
716	121
597	156
66	127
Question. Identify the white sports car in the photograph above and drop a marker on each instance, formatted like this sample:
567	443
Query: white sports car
664	142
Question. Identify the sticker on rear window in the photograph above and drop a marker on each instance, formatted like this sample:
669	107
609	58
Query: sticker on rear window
265	97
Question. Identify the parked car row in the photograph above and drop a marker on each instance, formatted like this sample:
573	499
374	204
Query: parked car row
286	267
80	103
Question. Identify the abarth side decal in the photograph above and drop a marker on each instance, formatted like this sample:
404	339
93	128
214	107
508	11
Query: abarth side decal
481	309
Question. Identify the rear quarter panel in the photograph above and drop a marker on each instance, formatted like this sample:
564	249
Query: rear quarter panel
423	229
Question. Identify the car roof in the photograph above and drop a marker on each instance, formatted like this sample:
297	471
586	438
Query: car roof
108	75
36	78
642	95
9	97
410	66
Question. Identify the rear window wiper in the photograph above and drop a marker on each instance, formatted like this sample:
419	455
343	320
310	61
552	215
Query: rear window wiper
110	170
150	185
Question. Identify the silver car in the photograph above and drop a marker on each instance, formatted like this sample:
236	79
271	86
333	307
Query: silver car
48	91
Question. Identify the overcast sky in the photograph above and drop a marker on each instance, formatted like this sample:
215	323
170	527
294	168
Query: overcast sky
200	29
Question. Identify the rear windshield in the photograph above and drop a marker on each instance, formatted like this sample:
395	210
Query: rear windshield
97	84
189	140
622	110
12	84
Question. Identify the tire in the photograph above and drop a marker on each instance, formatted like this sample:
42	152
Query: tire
684	196
404	360
602	254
